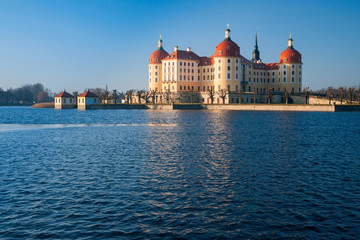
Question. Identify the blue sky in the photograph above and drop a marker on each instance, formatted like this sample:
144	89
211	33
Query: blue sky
85	44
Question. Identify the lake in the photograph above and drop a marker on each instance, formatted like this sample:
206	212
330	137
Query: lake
143	174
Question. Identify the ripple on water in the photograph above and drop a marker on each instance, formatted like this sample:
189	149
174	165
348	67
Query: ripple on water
178	174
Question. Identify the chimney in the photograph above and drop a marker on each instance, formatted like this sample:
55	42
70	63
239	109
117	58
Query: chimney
176	48
188	49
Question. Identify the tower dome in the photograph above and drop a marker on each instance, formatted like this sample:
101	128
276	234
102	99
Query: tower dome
158	54
227	48
290	55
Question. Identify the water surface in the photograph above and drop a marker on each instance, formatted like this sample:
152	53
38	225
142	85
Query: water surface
135	174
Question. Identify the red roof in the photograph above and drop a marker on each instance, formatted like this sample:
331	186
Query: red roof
205	61
290	55
186	55
157	56
227	48
64	94
88	94
271	66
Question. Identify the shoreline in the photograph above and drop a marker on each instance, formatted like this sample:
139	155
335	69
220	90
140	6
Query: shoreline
234	107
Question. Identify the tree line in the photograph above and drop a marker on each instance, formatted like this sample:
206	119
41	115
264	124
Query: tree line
27	94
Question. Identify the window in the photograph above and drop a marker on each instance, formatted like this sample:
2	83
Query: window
156	67
284	72
173	64
189	64
155	79
192	70
198	70
237	61
219	76
292	66
229	60
156	73
292	79
284	79
192	78
228	68
204	77
273	73
220	53
198	78
180	77
237	76
219	60
208	70
180	87
299	79
292	72
237	68
228	76
299	73
208	77
180	63
249	88
203	88
228	87
273	80
192	64
219	68
236	87
188	87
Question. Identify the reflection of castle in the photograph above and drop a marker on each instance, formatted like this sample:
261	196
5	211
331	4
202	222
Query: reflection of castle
182	72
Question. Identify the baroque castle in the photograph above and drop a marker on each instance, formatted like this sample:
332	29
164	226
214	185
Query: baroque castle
226	70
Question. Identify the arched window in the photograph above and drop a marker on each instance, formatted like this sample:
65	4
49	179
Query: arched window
228	48
220	52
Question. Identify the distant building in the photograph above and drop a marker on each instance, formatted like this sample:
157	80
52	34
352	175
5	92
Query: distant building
226	70
87	99
64	100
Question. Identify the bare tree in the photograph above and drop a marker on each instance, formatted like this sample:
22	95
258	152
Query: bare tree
166	95
329	93
146	96
152	95
240	92
114	95
222	94
341	94
286	94
75	94
350	94
269	95
139	94
211	94
306	92
128	96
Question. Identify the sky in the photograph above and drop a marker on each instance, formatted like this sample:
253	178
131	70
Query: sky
80	44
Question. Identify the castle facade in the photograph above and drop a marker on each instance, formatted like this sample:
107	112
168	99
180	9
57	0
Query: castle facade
183	71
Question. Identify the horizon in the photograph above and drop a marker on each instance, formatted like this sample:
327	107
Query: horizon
89	44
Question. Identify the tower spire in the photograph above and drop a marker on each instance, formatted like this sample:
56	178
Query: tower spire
160	44
290	44
227	33
256	53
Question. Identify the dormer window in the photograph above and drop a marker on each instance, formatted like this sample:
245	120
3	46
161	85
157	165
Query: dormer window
236	53
293	54
285	59
228	48
220	53
157	60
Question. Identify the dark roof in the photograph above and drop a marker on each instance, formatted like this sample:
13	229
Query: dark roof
88	94
64	94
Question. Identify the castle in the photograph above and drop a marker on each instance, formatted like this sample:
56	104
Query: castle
183	72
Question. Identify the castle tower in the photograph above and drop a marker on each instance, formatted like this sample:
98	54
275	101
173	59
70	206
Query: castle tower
256	53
